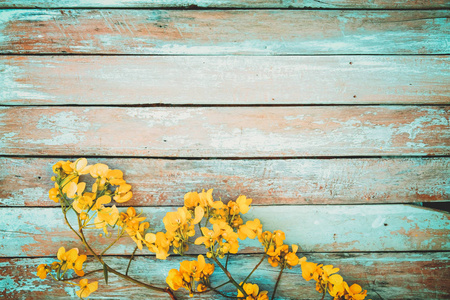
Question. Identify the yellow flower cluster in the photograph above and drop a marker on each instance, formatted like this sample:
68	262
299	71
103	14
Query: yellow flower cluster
327	280
253	292
68	260
191	272
109	185
133	225
222	238
221	227
180	226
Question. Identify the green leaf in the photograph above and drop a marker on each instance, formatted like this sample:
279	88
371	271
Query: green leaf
105	273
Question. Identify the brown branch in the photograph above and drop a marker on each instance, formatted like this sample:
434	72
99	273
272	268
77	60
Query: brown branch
278	281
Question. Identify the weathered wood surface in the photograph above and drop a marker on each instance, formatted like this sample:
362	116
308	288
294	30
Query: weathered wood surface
214	32
106	80
384	275
225	131
162	182
346	228
339	4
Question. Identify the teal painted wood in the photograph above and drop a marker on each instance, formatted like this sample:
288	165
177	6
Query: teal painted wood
211	32
107	80
346	228
339	4
225	131
161	182
386	275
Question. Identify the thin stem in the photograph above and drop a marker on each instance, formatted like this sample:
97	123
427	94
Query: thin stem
110	245
226	262
240	288
220	293
225	283
324	287
254	269
278	281
211	289
126	277
131	258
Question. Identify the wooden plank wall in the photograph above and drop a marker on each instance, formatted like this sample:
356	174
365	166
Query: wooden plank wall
332	114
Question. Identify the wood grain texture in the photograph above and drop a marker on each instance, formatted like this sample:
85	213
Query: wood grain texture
397	4
384	275
161	182
225	131
213	32
103	80
346	228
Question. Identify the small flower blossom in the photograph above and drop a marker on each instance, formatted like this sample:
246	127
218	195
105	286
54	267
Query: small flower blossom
71	260
42	271
253	293
123	193
106	216
86	288
189	273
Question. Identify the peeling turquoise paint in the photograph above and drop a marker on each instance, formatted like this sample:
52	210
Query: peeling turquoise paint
68	126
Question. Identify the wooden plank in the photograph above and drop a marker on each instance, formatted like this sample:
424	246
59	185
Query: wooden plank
87	80
345	228
383	275
162	182
340	4
225	131
211	32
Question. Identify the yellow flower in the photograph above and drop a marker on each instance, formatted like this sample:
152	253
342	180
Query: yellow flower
190	271
244	204
336	286
80	167
191	199
354	292
282	255
74	189
174	279
158	243
71	260
83	202
115	177
123	193
279	237
86	288
177	219
206	198
308	269
291	258
223	235
253	292
99	171
106	216
99	204
42	271
53	193
251	229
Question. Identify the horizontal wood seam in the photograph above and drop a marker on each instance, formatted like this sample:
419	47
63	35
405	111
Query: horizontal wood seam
220	55
223	105
231	157
195	7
